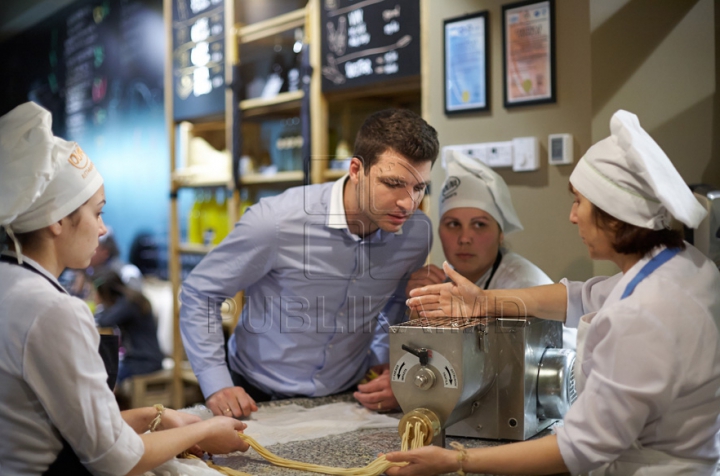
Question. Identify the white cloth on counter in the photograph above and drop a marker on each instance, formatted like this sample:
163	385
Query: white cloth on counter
272	425
276	425
652	364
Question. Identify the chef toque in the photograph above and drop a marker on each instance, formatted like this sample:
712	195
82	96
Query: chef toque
629	176
472	184
42	178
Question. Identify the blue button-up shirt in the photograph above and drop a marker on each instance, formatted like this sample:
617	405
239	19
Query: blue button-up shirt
318	298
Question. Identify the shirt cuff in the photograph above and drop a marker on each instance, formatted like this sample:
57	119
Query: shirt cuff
574	302
379	355
213	379
121	457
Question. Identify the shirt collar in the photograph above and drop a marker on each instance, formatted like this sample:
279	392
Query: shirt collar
336	215
37	267
628	276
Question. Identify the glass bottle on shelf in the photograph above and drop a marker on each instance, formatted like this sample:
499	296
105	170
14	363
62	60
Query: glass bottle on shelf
195	230
222	227
277	76
209	219
296	143
293	76
244	200
289	145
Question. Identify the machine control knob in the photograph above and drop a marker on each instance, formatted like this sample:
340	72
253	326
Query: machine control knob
422	353
425	378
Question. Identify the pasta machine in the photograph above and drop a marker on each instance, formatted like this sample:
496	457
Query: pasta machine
494	378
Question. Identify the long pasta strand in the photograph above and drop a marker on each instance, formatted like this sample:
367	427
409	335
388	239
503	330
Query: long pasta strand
413	437
377	467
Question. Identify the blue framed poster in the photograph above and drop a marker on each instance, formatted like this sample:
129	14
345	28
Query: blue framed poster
466	63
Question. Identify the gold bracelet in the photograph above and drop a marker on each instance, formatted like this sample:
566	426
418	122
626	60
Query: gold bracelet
461	456
158	418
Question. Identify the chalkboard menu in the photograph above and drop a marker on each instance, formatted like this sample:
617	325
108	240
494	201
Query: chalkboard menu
88	63
365	42
98	66
198	58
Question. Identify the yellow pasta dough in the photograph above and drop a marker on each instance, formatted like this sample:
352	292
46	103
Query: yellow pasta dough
413	437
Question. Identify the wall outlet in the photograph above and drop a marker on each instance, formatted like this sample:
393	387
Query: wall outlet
499	154
526	154
474	151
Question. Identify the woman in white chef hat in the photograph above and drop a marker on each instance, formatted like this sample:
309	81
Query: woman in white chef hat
648	365
476	213
58	414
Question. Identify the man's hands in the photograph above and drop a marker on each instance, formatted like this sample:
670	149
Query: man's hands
223	436
377	394
425	276
459	298
231	402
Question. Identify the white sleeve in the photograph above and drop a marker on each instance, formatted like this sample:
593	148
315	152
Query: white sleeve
63	367
586	297
632	379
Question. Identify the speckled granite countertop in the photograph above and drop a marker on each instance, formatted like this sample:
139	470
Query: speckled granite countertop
353	449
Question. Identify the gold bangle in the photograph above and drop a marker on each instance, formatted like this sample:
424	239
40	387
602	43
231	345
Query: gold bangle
158	418
461	456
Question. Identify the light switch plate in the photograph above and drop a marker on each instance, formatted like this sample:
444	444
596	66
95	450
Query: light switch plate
526	154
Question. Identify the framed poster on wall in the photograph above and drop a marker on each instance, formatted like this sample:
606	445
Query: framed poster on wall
466	63
529	53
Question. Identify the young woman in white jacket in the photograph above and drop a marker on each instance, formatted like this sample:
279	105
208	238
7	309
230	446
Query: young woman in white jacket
58	414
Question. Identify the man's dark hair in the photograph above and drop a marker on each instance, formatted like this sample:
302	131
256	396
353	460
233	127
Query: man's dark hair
400	130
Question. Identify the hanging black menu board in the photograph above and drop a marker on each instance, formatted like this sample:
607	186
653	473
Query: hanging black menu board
365	42
89	64
198	58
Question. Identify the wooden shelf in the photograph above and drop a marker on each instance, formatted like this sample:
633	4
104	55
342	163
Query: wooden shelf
271	27
280	177
263	107
199	183
195	249
207	126
333	174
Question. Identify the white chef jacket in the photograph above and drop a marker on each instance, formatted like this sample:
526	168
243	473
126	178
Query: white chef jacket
652	364
516	272
53	381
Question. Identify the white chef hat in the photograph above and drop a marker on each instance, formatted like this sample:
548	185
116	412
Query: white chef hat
42	178
472	184
629	176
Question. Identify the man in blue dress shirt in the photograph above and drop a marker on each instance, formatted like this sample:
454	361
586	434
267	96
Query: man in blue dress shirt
324	269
